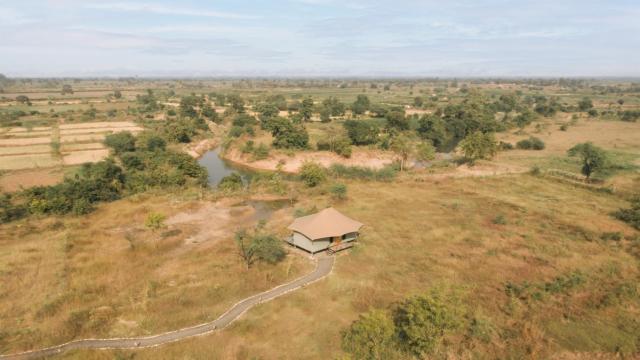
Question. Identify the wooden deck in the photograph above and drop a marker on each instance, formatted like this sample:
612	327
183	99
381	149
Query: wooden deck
339	247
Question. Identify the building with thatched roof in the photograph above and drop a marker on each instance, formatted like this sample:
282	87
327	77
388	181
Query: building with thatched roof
327	229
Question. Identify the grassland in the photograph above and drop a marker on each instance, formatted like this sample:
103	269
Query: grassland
532	257
422	234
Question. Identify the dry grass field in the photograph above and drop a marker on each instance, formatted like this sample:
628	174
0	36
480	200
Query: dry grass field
422	234
106	275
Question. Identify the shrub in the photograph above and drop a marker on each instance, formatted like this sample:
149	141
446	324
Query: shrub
236	131
312	174
359	172
338	191
615	236
155	221
323	145
10	211
231	182
532	143
631	215
261	152
422	321
371	337
342	147
425	151
121	142
268	248
505	145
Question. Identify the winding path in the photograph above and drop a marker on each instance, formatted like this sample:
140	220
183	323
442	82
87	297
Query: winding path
323	268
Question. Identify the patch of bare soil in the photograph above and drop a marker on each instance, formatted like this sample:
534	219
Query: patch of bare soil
213	221
291	164
17	180
196	150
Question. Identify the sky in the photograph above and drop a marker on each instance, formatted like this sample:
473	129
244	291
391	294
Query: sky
427	38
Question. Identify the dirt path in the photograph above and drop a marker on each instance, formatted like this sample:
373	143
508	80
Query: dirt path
323	268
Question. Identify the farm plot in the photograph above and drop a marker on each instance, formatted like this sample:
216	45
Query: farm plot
66	144
19	162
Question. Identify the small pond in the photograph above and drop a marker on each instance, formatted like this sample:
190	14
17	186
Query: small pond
219	168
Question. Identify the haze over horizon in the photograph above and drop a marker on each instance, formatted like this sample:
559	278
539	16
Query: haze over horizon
327	38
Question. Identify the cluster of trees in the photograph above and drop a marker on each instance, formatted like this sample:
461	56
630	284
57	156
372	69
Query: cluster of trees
137	165
286	134
447	127
413	328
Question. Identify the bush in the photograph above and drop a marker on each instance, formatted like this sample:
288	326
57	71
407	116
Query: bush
312	174
339	191
342	147
155	221
359	172
532	143
505	146
268	248
422	321
370	337
10	211
631	215
323	145
261	152
231	182
121	142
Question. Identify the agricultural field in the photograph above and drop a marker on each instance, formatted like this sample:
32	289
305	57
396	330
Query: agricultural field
508	204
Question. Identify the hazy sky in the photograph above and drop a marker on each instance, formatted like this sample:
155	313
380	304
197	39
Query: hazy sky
320	38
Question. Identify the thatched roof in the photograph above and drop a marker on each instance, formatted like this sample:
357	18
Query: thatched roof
326	223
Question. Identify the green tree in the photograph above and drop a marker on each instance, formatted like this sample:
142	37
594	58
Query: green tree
268	248
312	174
432	128
397	120
479	146
117	94
361	132
425	151
287	135
403	147
593	158
246	250
361	105
237	103
66	89
306	110
371	337
121	142
585	104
